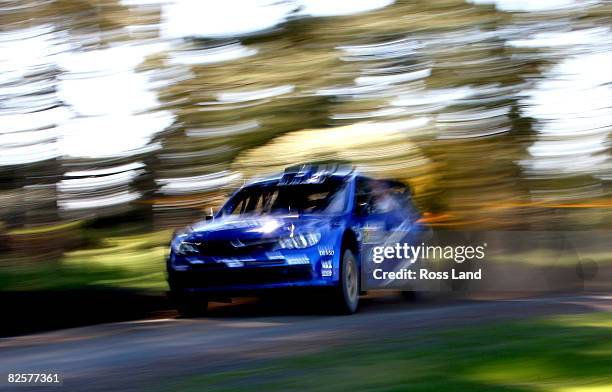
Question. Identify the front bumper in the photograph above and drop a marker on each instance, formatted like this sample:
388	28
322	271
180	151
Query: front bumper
229	280
221	275
235	280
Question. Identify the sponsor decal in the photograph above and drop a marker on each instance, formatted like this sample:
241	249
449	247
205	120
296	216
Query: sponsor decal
299	259
327	268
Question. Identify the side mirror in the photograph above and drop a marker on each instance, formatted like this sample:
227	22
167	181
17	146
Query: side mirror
210	215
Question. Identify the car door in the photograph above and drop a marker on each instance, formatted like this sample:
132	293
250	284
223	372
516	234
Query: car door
387	217
371	224
401	217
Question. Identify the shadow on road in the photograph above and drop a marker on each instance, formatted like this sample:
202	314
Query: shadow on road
315	305
29	312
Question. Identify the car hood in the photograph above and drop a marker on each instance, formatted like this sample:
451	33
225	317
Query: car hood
254	227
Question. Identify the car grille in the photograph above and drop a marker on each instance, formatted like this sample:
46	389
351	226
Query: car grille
238	247
218	277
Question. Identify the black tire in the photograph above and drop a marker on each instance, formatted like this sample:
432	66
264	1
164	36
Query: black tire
190	305
347	294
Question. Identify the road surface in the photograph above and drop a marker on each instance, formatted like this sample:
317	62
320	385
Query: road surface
135	355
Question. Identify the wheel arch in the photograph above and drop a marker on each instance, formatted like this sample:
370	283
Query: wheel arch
349	241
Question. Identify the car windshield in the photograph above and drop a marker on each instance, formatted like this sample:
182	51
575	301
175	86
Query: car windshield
325	198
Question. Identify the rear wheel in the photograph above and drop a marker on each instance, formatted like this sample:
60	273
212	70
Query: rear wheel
347	295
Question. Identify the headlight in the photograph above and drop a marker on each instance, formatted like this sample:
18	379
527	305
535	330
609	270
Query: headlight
299	241
185	248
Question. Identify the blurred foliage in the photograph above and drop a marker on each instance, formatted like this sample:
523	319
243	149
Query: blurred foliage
135	261
352	87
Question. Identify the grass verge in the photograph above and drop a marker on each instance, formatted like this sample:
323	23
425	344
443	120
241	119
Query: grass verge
554	354
125	262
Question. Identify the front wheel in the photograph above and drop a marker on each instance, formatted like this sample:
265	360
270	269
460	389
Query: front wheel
347	294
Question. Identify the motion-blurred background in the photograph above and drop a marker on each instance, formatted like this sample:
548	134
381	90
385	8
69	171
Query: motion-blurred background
123	120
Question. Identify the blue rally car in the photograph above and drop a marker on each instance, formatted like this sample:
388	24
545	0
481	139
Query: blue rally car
304	228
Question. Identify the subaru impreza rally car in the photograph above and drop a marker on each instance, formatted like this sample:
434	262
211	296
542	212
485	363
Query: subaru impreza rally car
302	229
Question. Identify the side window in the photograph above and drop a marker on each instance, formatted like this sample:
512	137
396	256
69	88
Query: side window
381	197
390	197
363	196
402	198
